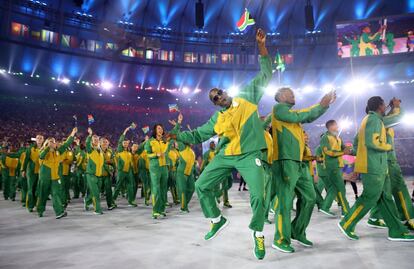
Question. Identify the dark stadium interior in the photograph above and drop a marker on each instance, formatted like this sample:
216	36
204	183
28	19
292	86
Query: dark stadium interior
126	61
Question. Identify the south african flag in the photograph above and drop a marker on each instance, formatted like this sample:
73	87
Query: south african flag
245	21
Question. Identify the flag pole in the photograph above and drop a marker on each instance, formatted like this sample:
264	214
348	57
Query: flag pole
279	73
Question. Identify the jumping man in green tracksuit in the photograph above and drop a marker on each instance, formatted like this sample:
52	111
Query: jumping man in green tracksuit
371	160
240	129
333	149
288	148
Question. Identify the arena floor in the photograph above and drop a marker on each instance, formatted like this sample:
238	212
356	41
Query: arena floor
129	238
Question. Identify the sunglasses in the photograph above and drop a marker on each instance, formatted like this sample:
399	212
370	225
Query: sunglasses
217	96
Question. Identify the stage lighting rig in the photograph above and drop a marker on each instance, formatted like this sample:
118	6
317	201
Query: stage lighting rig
199	14
309	19
78	3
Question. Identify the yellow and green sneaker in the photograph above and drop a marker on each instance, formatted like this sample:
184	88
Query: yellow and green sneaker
348	234
216	228
156	215
259	247
283	247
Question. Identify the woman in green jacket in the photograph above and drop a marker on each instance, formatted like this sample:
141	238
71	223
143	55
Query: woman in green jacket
157	149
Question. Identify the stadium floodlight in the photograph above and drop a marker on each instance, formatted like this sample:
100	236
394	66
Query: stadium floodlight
345	123
327	88
106	85
65	81
357	86
308	89
270	91
233	91
185	90
408	119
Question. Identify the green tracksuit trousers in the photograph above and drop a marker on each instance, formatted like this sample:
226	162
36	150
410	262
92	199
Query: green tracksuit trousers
79	184
94	195
10	184
66	183
136	183
159	181
270	188
172	186
46	187
185	188
250	167
374	193
146	185
125	179
32	184
292	177
399	191
106	185
335	187
23	190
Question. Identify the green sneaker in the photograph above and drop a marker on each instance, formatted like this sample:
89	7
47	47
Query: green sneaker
377	223
268	221
40	215
216	228
285	248
327	212
184	210
402	238
64	214
349	235
132	205
259	247
303	241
